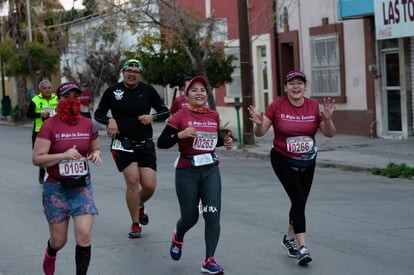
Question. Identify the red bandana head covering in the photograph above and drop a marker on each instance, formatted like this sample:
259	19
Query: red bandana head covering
68	110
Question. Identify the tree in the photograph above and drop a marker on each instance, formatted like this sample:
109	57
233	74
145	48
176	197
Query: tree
90	7
37	58
96	52
176	64
187	29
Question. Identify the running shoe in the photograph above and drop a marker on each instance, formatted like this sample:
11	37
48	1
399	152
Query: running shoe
135	231
211	267
291	246
143	217
304	256
49	264
175	248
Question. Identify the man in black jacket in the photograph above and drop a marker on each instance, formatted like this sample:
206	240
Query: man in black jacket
130	102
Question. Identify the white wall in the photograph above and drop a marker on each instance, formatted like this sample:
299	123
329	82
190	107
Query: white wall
306	14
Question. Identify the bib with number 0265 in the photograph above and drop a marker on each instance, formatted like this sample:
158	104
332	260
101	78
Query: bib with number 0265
73	167
205	141
299	144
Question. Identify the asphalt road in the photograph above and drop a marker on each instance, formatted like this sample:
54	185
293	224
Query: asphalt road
357	223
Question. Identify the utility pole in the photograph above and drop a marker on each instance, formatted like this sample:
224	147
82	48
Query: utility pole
245	70
1	61
29	20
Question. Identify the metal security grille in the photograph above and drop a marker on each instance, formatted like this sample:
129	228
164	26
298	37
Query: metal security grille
326	77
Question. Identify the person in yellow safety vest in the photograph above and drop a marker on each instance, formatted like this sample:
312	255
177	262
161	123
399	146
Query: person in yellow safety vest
41	107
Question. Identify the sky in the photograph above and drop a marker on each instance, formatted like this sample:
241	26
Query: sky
68	4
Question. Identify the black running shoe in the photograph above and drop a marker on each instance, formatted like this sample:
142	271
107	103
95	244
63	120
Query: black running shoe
291	246
143	217
304	256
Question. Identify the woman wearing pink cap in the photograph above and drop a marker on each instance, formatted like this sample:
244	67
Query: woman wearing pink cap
197	176
295	120
65	144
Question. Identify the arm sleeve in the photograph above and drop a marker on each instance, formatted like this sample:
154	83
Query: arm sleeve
162	110
31	111
101	112
168	138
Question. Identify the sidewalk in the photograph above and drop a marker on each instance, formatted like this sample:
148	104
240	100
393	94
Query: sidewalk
356	153
341	151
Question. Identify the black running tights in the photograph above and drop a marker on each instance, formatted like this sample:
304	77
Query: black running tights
297	184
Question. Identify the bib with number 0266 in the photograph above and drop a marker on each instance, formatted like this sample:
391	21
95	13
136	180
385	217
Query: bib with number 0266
73	167
299	144
205	141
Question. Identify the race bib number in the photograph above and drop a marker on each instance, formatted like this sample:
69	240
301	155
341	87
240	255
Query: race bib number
300	144
202	159
49	110
117	145
73	167
205	141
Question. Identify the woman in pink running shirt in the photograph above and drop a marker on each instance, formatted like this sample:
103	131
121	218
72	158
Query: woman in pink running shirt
295	120
65	144
197	177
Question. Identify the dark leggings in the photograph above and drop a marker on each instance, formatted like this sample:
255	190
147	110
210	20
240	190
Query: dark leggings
191	185
297	183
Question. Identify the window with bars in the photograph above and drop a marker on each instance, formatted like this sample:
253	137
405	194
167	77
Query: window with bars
326	78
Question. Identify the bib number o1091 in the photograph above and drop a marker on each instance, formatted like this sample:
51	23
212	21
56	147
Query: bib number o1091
73	168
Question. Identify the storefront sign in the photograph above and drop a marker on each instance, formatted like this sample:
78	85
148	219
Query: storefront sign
394	18
350	9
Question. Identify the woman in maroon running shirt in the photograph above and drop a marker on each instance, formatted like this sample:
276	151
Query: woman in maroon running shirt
197	177
295	120
65	144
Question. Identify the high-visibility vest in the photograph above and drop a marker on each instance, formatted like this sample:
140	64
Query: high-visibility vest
42	104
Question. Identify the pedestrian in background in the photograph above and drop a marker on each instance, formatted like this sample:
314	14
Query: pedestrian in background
64	145
130	102
197	177
295	120
86	100
41	107
181	101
